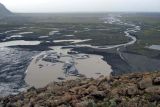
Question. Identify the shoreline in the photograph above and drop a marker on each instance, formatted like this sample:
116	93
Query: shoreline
126	65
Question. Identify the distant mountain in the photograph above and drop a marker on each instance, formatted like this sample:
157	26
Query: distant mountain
4	12
7	16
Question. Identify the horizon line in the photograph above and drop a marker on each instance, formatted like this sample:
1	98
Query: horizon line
86	12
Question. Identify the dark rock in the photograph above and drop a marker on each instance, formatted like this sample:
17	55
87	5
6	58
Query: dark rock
156	81
31	104
61	78
154	98
98	94
31	89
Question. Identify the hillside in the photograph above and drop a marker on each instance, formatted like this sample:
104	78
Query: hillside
4	12
6	16
132	90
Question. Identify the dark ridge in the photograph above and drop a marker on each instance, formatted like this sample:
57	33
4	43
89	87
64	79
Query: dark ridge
4	12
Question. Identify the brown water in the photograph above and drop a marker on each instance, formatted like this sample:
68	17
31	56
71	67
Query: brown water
40	73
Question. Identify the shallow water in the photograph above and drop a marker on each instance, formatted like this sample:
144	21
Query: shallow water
13	63
18	42
69	35
155	47
23	33
72	40
53	32
40	73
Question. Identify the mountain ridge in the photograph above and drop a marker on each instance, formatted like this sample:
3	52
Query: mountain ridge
4	12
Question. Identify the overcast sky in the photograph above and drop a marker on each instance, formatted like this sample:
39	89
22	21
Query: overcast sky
82	5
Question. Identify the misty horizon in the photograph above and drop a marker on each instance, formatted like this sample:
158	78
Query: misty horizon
81	6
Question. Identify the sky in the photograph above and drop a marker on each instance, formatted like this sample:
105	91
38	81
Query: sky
27	6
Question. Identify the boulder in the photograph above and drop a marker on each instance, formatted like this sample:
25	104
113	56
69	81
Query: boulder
153	90
31	89
145	83
91	89
132	90
67	97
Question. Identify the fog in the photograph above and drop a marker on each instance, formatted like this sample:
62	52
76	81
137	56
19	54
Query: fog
82	5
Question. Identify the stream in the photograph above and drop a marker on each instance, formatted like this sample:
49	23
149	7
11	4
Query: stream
48	66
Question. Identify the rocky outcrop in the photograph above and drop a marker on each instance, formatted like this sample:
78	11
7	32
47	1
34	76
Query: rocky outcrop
132	90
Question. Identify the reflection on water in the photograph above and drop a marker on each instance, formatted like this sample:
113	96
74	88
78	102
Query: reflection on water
23	33
69	35
41	72
13	63
72	40
18	42
156	47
